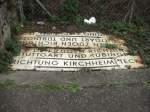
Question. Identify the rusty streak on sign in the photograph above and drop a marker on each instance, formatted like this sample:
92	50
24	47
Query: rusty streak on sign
73	52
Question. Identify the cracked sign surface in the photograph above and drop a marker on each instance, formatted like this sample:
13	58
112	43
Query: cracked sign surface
73	52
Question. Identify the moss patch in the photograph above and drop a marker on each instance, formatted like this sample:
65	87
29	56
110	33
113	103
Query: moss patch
11	85
11	49
136	35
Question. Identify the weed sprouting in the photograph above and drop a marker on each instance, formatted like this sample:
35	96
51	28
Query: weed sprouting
109	46
69	11
11	84
12	48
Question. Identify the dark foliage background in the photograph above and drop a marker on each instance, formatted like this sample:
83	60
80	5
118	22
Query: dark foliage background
102	9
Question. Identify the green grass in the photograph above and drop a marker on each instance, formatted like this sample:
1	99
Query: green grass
70	87
11	85
68	12
132	52
119	27
16	27
8	84
12	48
135	34
73	87
147	84
109	46
5	59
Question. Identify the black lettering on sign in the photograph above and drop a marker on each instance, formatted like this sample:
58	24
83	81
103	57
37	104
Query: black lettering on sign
92	34
22	62
96	44
126	61
47	62
74	63
76	56
37	62
100	63
64	43
110	62
57	55
39	43
74	44
93	40
43	54
90	63
55	43
50	55
65	63
104	55
37	38
92	55
120	61
29	62
68	39
95	63
55	63
15	61
81	64
28	43
46	43
48	38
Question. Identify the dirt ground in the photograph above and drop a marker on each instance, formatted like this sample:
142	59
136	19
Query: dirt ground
102	91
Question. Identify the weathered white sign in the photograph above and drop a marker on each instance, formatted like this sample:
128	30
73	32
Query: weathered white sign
64	40
73	52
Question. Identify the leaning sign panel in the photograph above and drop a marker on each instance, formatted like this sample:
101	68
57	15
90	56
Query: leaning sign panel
73	52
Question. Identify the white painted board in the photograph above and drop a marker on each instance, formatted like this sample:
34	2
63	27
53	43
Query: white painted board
73	52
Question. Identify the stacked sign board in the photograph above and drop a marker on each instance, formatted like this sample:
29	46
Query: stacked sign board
73	52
